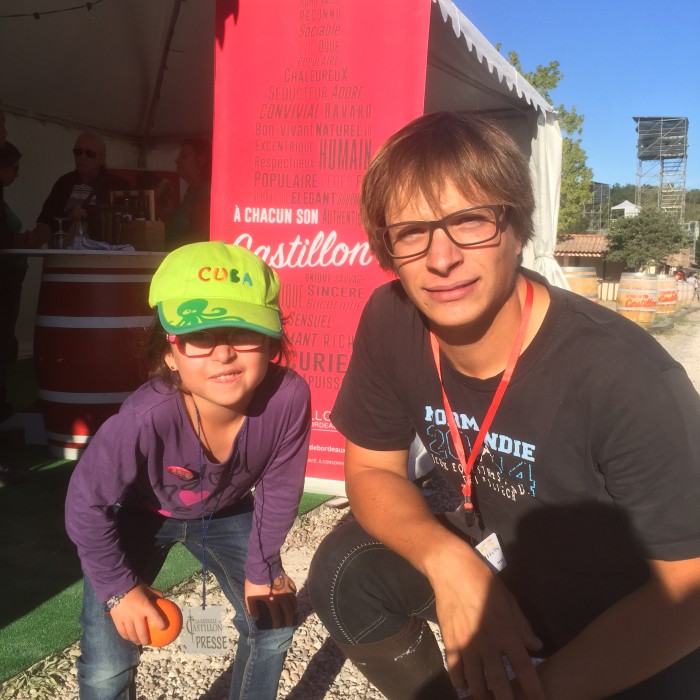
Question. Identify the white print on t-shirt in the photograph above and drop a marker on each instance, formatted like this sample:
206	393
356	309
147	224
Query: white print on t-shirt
78	195
505	466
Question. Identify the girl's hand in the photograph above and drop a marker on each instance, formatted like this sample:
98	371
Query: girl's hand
272	606
131	612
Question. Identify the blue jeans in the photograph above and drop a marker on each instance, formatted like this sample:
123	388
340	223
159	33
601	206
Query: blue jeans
107	665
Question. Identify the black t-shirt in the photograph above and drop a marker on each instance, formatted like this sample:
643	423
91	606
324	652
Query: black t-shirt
591	465
62	197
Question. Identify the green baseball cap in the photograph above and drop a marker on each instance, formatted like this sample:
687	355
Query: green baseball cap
215	284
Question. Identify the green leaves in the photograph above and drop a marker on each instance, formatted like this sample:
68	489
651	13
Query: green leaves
576	176
646	239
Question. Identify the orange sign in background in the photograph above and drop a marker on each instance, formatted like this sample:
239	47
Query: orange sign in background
305	93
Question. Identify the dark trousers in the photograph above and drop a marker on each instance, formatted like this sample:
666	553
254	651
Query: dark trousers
375	604
11	278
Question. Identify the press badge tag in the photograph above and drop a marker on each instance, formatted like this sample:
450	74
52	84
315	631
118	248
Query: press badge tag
204	630
490	549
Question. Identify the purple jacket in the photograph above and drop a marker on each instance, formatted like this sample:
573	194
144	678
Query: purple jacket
126	464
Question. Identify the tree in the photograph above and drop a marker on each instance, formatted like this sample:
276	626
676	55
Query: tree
646	239
576	176
692	205
619	193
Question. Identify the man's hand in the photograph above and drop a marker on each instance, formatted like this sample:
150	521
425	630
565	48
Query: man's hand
75	214
132	611
272	606
481	623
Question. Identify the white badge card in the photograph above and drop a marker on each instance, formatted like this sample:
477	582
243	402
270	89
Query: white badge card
490	549
204	630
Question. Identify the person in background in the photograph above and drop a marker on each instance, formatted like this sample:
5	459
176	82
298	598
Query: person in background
189	222
3	128
164	193
13	268
211	452
89	183
578	537
9	171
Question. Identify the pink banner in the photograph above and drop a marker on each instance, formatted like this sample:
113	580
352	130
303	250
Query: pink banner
305	92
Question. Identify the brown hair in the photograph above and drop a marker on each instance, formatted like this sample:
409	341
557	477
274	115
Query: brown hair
9	154
482	161
156	345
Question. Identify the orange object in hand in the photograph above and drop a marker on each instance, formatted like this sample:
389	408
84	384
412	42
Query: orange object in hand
173	615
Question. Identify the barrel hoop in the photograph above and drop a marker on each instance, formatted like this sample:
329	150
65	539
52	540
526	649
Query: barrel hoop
74	439
101	397
61	452
54	277
94	321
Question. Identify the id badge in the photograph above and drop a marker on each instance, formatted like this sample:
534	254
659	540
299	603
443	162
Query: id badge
204	631
490	550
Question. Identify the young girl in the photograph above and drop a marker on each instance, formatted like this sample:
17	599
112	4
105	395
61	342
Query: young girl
219	419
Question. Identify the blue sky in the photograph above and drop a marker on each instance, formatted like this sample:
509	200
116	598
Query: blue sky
620	59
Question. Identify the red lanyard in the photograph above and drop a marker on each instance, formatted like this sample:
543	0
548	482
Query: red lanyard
495	402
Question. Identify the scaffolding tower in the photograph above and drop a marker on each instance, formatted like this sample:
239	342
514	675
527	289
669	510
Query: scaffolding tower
662	152
597	211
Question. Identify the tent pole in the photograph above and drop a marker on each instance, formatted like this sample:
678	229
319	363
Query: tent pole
155	95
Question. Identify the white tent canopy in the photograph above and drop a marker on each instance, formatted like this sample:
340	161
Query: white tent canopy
131	69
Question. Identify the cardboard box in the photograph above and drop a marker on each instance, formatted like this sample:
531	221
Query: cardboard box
143	235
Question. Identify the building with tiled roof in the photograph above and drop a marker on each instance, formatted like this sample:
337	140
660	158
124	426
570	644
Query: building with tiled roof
583	245
587	250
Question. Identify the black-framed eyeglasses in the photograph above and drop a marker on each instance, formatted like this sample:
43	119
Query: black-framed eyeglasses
202	343
465	228
77	152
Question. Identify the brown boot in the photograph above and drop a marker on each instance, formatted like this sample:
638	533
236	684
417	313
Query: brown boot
407	666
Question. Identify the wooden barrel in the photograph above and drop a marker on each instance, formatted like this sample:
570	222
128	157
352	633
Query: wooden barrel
583	281
92	314
668	296
637	298
685	294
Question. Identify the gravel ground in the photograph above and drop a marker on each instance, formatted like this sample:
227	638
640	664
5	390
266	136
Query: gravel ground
315	668
682	341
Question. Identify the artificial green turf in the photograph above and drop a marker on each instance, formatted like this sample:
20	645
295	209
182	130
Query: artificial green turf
309	501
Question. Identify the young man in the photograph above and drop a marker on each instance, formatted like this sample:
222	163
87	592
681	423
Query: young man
580	473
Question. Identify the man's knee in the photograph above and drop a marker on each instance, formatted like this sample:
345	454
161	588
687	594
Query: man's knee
338	567
361	590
